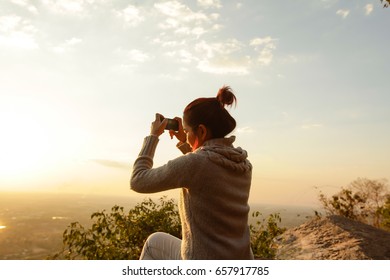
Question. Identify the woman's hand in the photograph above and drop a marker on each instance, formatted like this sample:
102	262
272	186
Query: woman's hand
158	126
180	134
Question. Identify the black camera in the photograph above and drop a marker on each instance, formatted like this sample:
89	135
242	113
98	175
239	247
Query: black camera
172	124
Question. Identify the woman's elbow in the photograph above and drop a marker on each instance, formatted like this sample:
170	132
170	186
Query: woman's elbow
134	186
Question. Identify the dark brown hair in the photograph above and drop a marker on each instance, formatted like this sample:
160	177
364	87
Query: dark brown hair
211	112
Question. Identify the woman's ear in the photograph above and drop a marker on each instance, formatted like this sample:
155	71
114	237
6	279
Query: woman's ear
203	133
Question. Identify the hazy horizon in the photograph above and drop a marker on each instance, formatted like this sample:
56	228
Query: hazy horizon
31	225
306	198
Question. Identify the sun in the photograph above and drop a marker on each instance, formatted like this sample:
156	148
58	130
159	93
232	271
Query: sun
39	141
24	143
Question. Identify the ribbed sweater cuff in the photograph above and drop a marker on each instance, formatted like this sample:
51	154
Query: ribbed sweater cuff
183	147
149	146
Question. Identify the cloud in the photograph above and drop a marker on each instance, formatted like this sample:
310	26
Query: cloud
266	56
128	61
16	32
65	6
226	57
222	57
343	13
111	163
244	130
264	47
171	77
179	11
311	126
182	20
169	43
133	55
182	55
25	4
369	8
138	56
327	3
124	68
224	65
182	28
77	8
131	15
9	23
68	45
210	4
211	50
261	41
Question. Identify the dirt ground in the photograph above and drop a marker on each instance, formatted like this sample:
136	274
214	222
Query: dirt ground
333	238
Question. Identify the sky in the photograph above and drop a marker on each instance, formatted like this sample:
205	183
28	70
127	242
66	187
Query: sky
81	81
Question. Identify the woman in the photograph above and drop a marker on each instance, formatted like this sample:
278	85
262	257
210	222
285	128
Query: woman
214	178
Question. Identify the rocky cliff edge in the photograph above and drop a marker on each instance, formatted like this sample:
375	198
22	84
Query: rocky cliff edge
333	238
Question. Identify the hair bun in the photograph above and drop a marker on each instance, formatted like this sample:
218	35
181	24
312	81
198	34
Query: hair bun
225	96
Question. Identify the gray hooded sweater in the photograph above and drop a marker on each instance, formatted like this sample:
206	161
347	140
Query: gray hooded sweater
215	182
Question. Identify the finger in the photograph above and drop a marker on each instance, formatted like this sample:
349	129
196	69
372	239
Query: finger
180	121
164	123
159	117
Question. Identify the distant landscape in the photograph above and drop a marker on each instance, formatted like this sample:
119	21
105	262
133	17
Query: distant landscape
31	225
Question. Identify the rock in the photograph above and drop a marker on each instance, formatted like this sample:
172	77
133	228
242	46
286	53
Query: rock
333	238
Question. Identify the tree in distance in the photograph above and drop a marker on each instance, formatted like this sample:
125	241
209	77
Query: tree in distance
364	200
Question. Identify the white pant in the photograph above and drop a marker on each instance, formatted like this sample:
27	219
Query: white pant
161	246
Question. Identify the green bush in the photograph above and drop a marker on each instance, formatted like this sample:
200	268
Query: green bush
384	211
263	234
120	236
117	235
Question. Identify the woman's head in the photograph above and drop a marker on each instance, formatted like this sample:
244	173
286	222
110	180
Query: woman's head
210	114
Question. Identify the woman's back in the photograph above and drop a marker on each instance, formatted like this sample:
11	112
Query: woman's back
214	207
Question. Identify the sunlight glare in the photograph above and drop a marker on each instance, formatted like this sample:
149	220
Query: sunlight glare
24	143
2	225
38	141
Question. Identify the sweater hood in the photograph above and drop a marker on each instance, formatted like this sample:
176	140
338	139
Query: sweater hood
222	152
